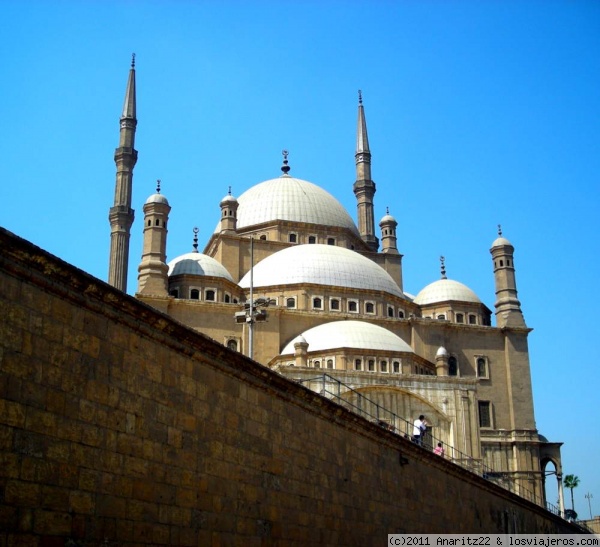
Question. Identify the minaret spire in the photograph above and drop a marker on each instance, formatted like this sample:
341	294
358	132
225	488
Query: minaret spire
121	215
364	187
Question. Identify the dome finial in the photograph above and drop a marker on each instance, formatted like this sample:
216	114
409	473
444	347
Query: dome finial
443	267
158	186
195	239
285	167
229	191
387	210
359	96
500	230
133	60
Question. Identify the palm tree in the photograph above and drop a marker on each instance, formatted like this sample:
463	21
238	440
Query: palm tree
571	481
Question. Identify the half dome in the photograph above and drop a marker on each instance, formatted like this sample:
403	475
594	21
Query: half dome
445	290
321	265
198	264
292	199
350	334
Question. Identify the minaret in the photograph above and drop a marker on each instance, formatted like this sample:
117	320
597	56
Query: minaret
153	269
364	187
121	214
388	233
508	307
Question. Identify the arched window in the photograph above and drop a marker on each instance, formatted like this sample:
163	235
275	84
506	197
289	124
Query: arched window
174	292
352	306
232	344
293	238
334	304
157	222
460	318
371	365
290	302
209	295
400	314
312	239
263	237
357	364
370	307
317	364
149	222
383	366
452	366
397	367
227	298
441	317
195	294
390	311
472	319
317	303
330	241
329	363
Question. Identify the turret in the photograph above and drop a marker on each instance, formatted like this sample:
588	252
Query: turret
121	214
364	187
229	206
153	269
508	307
388	233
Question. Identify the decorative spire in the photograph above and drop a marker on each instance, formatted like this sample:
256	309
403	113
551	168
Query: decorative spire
387	210
285	167
229	191
195	239
158	186
443	267
129	104
500	230
362	139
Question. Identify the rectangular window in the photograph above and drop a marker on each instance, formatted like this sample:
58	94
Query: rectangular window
357	364
371	365
485	414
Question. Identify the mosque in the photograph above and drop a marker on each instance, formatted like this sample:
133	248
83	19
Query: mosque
290	280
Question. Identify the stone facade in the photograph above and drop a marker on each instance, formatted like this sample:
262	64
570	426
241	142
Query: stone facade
121	426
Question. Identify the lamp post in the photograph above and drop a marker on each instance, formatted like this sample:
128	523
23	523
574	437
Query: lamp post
589	497
251	315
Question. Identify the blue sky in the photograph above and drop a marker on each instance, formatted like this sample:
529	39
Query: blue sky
478	113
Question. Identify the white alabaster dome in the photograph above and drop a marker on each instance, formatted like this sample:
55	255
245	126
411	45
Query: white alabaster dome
321	265
350	334
198	264
441	352
288	198
444	290
157	198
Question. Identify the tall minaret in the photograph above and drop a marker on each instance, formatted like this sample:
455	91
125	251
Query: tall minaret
364	187
508	307
121	214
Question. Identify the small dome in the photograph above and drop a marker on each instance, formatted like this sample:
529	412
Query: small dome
501	241
444	290
441	352
288	198
229	199
157	198
352	335
299	340
321	265
198	264
387	219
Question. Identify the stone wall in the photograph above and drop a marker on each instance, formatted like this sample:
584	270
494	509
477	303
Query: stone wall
120	426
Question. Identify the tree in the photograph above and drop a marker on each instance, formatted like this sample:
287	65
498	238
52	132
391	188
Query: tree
571	481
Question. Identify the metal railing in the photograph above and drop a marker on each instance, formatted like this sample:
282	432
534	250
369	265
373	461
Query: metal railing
353	400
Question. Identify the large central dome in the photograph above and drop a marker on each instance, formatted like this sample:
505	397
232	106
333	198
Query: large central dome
321	265
296	200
